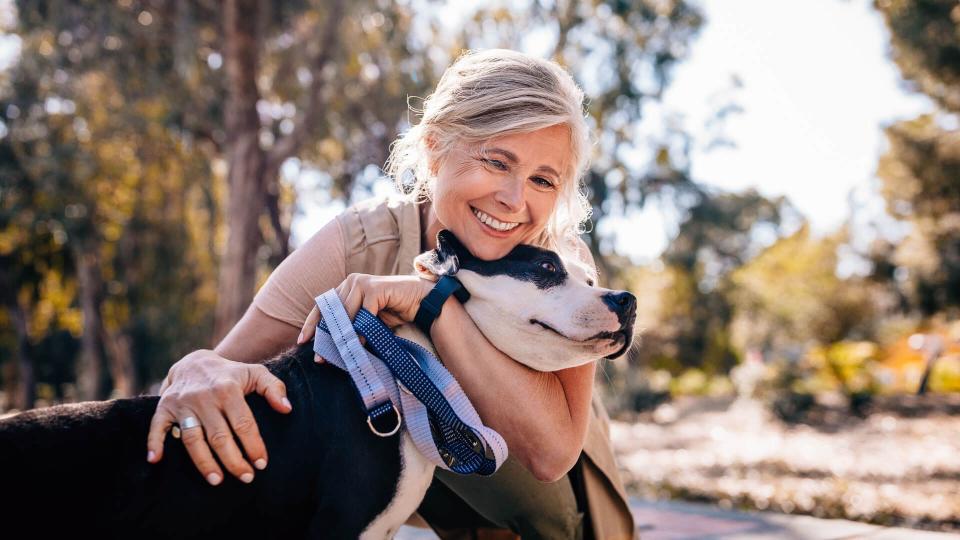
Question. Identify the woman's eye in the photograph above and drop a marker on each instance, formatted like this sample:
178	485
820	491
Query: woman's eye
548	266
496	163
543	182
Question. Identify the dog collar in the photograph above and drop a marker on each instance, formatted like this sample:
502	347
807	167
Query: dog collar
432	304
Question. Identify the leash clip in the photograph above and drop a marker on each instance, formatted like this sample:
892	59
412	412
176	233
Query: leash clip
389	433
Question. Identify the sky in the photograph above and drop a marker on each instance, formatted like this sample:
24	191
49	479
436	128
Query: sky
818	85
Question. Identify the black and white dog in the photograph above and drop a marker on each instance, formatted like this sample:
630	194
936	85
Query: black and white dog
79	470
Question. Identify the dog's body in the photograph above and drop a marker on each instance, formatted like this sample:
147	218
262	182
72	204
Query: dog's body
81	468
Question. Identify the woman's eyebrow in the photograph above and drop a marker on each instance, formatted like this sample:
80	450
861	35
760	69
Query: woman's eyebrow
511	157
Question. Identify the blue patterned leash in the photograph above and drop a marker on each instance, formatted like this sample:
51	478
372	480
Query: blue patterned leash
442	422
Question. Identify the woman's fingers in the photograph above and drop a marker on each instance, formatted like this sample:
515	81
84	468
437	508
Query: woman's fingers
309	326
244	425
159	425
270	387
390	319
196	445
220	438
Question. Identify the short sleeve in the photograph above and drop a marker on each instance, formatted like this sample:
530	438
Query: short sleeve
378	236
312	269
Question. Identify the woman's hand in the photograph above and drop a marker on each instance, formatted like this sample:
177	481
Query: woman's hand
211	389
395	299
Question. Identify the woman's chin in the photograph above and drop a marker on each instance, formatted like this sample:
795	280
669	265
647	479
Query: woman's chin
490	253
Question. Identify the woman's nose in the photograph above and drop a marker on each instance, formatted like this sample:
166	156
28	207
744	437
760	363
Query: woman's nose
511	195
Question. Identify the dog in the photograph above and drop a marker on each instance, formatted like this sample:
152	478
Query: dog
79	468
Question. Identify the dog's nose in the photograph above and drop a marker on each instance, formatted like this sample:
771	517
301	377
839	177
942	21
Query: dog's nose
623	304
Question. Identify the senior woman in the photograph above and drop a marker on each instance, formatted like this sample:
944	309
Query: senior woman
497	159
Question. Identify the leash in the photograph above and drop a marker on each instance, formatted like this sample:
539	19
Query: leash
402	380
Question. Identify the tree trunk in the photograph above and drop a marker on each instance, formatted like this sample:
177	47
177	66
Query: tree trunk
92	382
120	346
26	397
252	176
246	161
20	384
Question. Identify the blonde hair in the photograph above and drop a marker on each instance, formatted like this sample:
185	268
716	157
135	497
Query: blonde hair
497	92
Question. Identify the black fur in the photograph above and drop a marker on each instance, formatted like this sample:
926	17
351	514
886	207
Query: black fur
80	470
532	264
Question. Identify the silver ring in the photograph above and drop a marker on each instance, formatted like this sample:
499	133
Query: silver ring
189	422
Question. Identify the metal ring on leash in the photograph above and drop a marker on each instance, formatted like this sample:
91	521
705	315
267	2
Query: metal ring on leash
395	429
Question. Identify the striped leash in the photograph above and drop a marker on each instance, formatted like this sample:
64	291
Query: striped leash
400	380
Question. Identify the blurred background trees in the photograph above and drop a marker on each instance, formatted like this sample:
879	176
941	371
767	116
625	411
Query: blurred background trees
153	155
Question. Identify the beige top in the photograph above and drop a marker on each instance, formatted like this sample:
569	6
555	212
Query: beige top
381	236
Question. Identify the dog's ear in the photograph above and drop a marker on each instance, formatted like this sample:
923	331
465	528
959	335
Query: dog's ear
442	261
450	245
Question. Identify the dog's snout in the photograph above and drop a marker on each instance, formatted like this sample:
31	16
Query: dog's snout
622	303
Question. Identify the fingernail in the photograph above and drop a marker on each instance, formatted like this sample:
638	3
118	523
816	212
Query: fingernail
150	455
300	338
286	403
260	464
246	477
213	478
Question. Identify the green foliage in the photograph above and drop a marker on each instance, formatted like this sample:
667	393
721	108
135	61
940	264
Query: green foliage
921	184
845	366
790	294
691	300
113	142
921	169
923	35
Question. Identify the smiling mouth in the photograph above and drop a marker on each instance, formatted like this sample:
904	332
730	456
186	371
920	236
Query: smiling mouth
493	223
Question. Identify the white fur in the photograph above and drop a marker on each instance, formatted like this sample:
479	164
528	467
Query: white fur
415	476
501	307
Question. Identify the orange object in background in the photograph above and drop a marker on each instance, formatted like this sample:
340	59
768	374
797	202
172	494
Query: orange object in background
903	363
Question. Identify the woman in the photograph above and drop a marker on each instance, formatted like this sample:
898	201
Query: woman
496	159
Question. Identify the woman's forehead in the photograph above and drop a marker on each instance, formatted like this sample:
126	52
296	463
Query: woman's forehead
546	148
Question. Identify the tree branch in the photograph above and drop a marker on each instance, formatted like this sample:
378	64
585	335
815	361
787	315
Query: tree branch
288	145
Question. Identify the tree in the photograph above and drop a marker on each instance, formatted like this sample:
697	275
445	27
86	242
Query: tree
920	171
719	234
920	174
790	297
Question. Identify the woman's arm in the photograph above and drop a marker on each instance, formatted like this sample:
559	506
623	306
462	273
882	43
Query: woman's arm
257	337
210	385
542	416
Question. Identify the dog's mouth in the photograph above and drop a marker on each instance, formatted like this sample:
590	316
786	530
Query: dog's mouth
550	328
624	335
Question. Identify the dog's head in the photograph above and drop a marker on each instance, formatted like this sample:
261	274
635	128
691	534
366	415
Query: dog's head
535	307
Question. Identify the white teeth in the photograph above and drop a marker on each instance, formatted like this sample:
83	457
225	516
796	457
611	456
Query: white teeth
489	220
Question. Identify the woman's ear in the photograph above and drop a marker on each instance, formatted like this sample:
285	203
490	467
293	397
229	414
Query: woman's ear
433	158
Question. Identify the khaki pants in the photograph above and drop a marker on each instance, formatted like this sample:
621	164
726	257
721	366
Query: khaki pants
458	506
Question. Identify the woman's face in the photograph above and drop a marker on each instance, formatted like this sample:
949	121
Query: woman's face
504	197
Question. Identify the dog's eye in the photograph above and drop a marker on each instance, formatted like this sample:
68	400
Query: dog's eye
548	266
